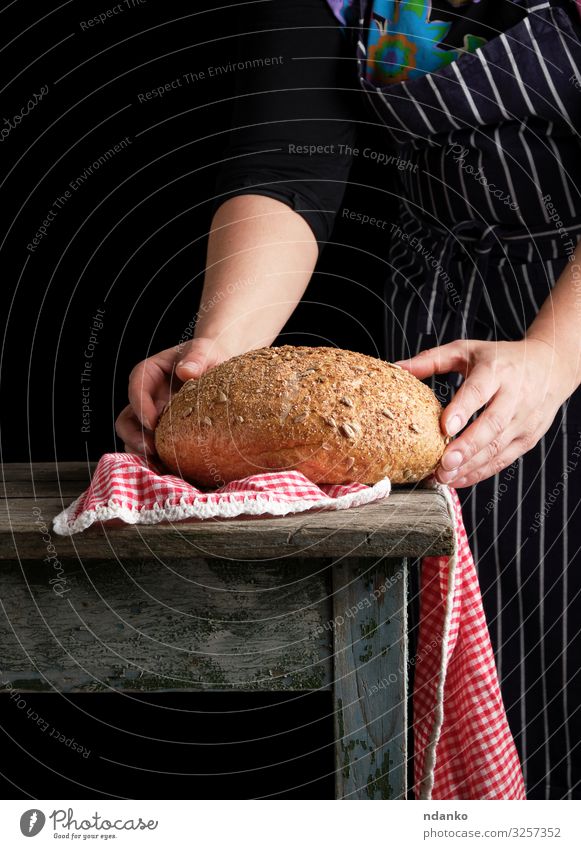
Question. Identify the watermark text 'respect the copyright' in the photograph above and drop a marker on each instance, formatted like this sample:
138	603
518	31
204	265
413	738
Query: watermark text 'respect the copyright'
378	156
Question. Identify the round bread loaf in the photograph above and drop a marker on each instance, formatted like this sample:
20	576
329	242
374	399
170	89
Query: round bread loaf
335	415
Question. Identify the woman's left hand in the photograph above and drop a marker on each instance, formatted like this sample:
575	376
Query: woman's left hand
520	385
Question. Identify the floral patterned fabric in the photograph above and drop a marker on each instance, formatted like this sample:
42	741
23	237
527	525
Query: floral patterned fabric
408	38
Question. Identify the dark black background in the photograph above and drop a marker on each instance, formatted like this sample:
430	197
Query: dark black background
131	241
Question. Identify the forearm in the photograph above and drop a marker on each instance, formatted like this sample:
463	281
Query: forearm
261	255
262	252
558	322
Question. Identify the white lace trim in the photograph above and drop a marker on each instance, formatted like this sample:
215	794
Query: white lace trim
428	777
190	508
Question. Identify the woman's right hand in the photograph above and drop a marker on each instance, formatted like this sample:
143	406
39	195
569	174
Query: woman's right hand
154	381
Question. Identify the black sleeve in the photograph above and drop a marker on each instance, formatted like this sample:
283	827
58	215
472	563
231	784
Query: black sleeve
295	111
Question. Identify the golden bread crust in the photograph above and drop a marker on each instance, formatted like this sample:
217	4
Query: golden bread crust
337	416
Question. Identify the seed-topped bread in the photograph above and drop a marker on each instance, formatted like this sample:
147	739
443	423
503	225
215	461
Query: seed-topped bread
335	415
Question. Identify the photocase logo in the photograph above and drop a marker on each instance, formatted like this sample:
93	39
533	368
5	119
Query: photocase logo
32	822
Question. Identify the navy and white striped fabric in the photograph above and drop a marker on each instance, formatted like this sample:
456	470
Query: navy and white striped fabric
490	213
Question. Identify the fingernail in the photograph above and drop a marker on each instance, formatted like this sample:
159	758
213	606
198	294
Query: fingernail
193	368
446	477
147	423
453	426
451	460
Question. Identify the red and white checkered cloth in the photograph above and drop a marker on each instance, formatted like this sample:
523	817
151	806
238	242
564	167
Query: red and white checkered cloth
463	745
125	486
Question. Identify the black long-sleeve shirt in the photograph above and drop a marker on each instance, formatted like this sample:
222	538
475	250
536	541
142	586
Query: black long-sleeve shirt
296	112
298	103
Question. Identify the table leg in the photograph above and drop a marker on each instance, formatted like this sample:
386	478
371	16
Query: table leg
370	678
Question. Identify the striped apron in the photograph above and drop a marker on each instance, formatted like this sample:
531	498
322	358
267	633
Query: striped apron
489	215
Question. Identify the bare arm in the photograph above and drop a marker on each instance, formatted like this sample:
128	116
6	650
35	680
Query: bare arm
261	252
261	255
558	323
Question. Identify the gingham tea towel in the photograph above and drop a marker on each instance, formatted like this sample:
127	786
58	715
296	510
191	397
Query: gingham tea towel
125	486
463	745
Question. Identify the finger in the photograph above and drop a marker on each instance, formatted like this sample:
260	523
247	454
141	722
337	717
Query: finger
148	381
149	386
490	433
200	355
123	422
144	447
481	384
451	357
524	429
488	469
131	431
487	442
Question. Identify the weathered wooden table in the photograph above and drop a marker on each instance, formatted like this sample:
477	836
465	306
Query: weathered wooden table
312	601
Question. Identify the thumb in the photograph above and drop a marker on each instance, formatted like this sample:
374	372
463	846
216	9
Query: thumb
200	355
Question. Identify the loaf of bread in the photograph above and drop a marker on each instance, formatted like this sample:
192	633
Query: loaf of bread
335	415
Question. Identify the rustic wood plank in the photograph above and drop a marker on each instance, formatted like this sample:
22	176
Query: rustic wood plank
416	504
370	682
63	471
153	626
394	527
408	523
67	489
44	480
